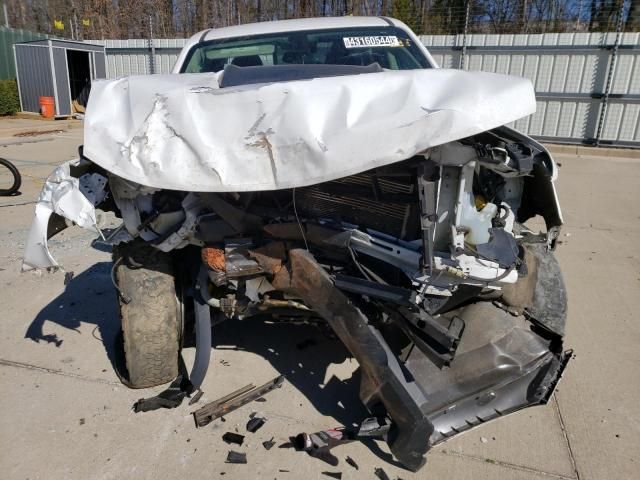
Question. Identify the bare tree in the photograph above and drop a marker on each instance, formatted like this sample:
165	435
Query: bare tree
180	18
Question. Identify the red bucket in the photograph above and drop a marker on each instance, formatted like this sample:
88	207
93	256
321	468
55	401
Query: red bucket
47	107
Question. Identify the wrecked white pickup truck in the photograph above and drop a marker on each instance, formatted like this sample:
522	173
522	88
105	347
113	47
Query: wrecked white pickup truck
326	170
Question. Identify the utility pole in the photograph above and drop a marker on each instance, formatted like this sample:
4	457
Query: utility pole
6	15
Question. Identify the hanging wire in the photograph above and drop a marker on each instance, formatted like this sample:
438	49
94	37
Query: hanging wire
295	211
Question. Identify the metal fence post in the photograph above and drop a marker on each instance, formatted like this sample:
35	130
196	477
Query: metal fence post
152	48
464	36
610	74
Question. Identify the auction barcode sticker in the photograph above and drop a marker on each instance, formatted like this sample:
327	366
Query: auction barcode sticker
377	41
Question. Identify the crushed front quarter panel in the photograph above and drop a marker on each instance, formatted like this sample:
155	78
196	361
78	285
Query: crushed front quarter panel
61	196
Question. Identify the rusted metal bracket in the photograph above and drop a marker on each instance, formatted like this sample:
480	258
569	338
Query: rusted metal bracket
216	409
385	381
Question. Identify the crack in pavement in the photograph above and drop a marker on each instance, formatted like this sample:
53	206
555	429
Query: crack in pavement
588	227
500	463
2	205
566	437
36	368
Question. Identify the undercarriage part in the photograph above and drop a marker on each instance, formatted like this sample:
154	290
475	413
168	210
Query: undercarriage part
533	387
438	341
388	293
238	219
237	260
428	193
501	365
386	380
171	397
549	305
185	384
270	256
208	413
386	249
541	293
501	248
448	336
203	332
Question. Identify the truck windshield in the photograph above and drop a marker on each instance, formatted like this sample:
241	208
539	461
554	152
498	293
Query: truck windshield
390	47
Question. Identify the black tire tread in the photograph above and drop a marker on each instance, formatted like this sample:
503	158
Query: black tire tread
150	321
17	179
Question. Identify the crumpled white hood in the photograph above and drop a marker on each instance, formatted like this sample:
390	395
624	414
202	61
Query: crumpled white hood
183	132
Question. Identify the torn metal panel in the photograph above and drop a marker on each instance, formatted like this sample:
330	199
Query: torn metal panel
184	132
61	195
501	366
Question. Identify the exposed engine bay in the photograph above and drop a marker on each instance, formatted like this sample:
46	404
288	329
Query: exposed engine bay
423	268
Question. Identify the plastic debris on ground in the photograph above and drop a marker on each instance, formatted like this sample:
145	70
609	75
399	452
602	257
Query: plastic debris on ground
236	457
337	475
268	444
381	474
255	423
352	462
231	437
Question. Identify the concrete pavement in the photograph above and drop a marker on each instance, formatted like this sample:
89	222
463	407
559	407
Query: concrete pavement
64	415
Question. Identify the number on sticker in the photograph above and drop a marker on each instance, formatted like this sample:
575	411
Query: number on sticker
372	41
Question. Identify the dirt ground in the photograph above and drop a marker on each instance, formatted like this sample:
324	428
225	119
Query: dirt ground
64	414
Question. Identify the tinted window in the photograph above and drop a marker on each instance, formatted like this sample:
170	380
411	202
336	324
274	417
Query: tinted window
390	47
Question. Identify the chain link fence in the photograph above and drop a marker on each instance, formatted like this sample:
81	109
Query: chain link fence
446	17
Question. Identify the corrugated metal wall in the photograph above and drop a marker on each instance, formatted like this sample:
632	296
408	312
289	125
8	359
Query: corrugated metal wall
33	85
569	72
133	57
9	36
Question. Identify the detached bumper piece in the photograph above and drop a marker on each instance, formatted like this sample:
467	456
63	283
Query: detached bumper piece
227	404
501	365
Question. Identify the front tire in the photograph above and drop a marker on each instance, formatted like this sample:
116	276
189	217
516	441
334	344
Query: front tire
150	321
